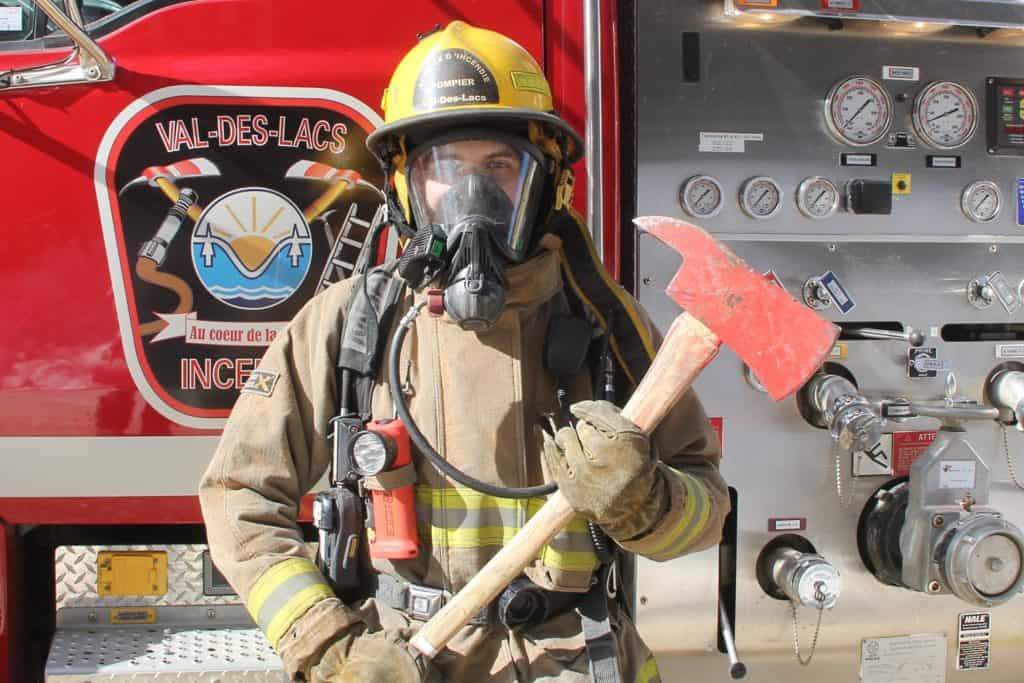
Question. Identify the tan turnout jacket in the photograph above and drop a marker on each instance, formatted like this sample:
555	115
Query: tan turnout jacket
477	398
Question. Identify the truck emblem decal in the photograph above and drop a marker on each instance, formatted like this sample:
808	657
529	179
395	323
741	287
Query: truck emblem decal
224	209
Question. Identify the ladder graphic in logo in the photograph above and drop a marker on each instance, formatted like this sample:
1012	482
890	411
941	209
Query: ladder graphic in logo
346	246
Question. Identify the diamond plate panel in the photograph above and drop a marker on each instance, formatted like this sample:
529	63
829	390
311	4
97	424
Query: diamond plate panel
76	578
162	654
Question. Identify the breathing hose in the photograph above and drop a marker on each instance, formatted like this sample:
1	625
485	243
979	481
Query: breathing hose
402	408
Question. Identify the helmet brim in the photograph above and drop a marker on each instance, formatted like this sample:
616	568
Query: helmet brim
421	128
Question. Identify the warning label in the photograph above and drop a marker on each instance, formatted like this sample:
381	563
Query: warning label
906	447
974	637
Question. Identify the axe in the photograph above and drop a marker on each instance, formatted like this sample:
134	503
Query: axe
725	300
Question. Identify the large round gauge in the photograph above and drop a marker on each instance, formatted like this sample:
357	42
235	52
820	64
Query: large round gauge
981	201
817	197
945	114
760	197
701	196
858	111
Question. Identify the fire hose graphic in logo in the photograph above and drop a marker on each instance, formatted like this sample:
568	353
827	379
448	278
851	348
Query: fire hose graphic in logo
224	209
251	248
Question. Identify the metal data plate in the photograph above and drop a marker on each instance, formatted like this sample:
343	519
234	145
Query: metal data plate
77	580
162	654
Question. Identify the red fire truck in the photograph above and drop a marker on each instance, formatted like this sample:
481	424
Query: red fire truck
118	371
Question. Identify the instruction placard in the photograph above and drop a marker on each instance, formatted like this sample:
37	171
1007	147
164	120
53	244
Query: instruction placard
919	658
732	143
973	641
957	474
10	19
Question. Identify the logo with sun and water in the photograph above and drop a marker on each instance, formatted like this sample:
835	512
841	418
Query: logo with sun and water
252	248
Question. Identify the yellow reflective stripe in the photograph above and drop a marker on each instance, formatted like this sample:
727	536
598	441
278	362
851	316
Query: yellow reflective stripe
274	577
574	551
457	498
648	672
298	605
569	560
469	538
697	503
275	606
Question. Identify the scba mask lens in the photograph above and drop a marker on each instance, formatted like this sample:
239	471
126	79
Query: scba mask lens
480	195
494	182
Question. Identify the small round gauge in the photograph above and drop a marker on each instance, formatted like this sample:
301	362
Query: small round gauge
858	111
701	196
817	197
760	197
981	201
945	114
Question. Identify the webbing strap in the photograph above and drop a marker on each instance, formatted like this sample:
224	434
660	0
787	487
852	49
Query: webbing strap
602	650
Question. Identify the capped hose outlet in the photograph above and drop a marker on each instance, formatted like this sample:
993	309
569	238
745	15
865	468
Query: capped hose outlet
1005	391
834	402
983	560
788	568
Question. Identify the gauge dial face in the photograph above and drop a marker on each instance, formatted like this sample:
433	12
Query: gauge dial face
760	197
981	201
817	197
858	111
701	196
945	114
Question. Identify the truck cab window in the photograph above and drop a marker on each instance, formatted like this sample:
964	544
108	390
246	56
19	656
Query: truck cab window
23	26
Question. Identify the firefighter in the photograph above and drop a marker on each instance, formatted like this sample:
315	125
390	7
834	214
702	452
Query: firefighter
478	167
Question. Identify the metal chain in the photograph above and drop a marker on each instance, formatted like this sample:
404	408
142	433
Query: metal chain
796	634
838	452
1009	459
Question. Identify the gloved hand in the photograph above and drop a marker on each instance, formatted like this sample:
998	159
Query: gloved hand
604	469
379	657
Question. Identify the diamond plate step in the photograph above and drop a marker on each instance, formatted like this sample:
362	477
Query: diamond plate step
150	653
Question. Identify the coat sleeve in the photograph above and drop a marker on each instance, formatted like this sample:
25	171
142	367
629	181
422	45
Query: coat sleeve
273	451
690	500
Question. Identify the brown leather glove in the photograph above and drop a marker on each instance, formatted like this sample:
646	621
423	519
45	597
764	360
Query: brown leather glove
379	657
605	470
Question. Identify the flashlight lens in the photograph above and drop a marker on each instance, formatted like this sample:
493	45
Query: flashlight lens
370	454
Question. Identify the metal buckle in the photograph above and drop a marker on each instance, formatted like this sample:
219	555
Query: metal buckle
424	602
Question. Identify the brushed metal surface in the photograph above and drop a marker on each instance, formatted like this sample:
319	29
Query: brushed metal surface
911	267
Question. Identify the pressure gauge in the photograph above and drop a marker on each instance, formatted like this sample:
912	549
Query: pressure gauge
760	197
858	111
981	201
817	197
701	196
945	114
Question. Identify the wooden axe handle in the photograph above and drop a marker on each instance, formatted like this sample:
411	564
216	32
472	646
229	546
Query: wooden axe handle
687	348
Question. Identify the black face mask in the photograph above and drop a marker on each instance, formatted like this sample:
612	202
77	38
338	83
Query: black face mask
465	247
475	287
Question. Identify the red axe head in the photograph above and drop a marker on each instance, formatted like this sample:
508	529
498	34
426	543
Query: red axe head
782	341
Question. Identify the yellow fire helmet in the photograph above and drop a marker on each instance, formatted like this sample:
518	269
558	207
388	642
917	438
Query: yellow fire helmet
463	76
